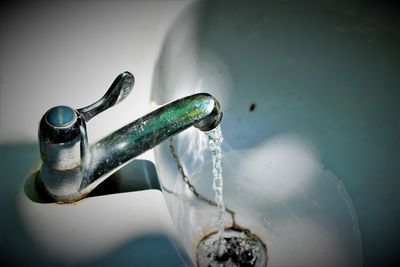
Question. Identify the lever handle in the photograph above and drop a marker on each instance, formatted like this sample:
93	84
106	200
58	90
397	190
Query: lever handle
118	91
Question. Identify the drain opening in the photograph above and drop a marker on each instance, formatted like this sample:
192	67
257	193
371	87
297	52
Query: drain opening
241	248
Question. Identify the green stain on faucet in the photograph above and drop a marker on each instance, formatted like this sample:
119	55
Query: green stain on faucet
199	110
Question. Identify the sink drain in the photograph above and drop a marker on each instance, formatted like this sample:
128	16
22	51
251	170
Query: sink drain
240	248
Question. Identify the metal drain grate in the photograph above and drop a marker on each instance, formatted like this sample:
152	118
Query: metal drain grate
241	248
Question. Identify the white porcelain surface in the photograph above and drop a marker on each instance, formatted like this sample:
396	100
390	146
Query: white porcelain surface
89	229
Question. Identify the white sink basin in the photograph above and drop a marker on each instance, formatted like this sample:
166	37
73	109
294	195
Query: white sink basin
310	97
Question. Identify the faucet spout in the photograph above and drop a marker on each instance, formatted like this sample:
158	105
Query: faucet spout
200	110
71	168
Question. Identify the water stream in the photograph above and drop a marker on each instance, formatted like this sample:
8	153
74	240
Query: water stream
232	246
215	140
281	181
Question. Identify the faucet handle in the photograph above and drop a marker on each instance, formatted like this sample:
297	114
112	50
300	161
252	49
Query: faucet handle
118	91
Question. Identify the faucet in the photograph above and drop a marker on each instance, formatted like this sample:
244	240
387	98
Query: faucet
71	168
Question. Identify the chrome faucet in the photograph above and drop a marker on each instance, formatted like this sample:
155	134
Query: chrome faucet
71	168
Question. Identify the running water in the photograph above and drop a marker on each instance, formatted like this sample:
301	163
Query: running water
231	247
215	141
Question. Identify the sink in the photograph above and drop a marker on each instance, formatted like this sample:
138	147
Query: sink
309	93
309	98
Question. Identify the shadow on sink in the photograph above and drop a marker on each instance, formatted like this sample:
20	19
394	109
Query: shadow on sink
149	250
138	175
114	230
